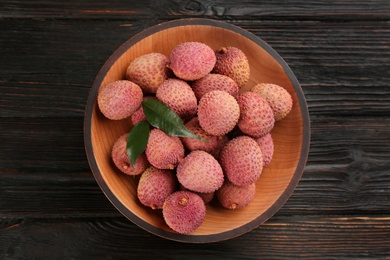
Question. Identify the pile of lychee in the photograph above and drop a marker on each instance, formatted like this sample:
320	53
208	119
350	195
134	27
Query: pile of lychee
180	175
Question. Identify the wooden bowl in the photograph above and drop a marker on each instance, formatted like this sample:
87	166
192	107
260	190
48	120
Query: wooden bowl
291	135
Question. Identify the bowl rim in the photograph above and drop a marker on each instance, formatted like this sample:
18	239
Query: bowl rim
183	237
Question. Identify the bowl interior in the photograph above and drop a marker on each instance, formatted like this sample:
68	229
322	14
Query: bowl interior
277	180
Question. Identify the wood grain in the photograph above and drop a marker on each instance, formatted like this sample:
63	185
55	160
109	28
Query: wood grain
248	9
326	58
51	52
281	238
353	164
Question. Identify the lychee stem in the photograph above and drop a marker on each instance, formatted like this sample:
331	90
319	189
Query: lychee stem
183	201
223	50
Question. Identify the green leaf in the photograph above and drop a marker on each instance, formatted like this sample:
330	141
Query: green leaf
137	140
162	117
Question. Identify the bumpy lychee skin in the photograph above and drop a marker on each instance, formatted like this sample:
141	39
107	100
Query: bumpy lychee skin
193	144
214	82
231	196
232	62
277	97
206	197
122	161
222	141
163	151
184	211
179	97
200	172
148	71
192	60
155	185
266	144
119	99
256	118
218	112
242	160
139	115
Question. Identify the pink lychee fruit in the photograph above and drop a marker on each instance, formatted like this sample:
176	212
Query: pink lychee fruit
256	118
214	82
231	196
162	150
148	71
206	197
155	185
242	160
193	144
267	147
200	172
122	160
218	112
222	141
232	62
192	60
119	99
139	115
277	97
184	211
179	97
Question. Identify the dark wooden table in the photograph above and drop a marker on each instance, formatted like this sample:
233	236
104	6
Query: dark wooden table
50	204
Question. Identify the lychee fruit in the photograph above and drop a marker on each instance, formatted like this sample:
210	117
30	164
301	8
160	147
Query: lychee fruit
179	97
277	97
232	62
231	196
119	99
148	71
122	160
162	150
155	185
206	197
266	144
256	118
218	112
214	82
242	160
184	211
139	115
193	144
192	60
200	172
222	141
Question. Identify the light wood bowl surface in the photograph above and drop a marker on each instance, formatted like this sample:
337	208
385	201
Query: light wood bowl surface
291	135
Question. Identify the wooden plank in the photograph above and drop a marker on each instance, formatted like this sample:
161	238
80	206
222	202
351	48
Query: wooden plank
50	204
319	9
347	101
338	64
348	156
282	238
347	169
60	142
